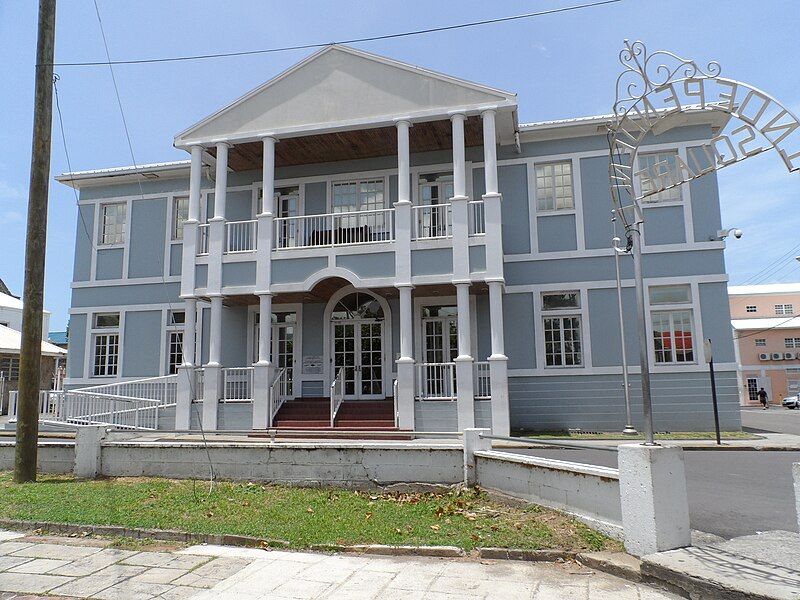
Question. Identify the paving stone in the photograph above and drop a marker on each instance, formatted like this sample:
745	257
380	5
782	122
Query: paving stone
301	588
97	582
132	590
38	566
58	551
7	562
220	568
149	559
10	535
178	593
9	547
23	582
196	581
93	563
159	575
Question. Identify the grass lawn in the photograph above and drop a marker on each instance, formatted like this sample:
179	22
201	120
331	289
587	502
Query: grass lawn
610	435
300	516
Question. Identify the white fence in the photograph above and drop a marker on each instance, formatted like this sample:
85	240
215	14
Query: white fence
240	236
431	221
436	381
237	384
164	389
477	218
47	402
483	380
279	392
202	238
335	229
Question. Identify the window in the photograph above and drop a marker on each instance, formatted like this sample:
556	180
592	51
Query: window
174	351
106	354
751	308
670	294
352	196
112	221
761	342
177	317
180	212
792	342
672	336
562	332
752	389
656	170
435	188
784	309
554	186
104	320
9	367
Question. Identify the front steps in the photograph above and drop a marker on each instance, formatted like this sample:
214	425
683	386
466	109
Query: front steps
314	413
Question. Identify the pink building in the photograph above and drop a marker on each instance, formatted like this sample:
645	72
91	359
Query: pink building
766	334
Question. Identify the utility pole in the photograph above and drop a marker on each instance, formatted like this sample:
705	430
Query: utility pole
35	242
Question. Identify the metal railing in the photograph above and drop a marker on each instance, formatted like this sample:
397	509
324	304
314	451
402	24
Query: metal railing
199	384
483	380
335	229
237	384
337	395
277	394
89	408
431	221
47	402
164	389
240	236
477	217
394	400
202	239
436	381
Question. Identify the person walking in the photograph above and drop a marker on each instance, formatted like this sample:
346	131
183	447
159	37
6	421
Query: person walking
763	398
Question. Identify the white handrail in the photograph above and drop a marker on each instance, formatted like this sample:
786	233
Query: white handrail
436	381
337	395
335	229
431	221
237	384
483	380
240	236
394	399
47	402
164	389
477	217
202	239
277	395
90	408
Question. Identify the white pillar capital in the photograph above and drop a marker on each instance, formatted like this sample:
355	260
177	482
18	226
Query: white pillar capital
223	145
271	139
488	113
458	116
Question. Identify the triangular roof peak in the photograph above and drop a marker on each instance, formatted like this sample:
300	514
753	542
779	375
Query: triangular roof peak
339	87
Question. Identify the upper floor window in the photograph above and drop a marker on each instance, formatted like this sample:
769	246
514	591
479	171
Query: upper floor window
180	212
784	309
177	317
761	342
561	323
670	294
106	320
112	223
658	169
672	324
554	186
350	196
751	308
105	360
792	342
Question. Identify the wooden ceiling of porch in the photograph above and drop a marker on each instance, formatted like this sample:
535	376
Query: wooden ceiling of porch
350	145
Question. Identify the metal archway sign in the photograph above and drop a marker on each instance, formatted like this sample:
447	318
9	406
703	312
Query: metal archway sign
653	92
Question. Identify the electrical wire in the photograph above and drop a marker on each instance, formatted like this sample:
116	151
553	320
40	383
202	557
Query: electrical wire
141	195
348	41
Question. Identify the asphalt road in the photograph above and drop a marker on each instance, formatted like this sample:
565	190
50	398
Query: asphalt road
776	419
731	493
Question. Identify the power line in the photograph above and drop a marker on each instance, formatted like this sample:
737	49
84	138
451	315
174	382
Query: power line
388	36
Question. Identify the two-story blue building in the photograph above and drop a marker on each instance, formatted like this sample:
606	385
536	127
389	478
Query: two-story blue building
422	258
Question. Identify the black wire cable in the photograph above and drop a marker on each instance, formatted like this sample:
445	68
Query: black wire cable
349	41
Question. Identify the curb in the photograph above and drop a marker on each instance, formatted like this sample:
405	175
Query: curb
527	555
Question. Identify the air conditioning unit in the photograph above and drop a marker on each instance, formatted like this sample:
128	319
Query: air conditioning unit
763	356
788	356
777	356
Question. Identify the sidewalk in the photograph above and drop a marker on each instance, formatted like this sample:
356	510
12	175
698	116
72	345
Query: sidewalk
84	568
766	441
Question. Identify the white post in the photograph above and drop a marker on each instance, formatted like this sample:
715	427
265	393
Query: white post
405	364
191	224
221	187
464	364
262	370
212	372
473	442
498	363
88	451
655	508
186	372
265	219
216	225
195	182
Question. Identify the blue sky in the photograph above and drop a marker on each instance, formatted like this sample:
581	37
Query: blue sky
561	66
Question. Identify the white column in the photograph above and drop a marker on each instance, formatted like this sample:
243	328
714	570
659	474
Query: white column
216	225
405	364
489	151
212	372
265	329
221	187
190	226
190	333
498	363
186	372
195	182
262	371
464	364
459	156
265	220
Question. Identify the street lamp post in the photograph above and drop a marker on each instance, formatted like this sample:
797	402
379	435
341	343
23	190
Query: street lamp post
615	241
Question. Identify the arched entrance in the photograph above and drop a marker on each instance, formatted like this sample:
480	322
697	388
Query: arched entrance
358	342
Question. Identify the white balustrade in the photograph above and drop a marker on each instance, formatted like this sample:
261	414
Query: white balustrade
199	383
164	389
237	384
337	395
280	392
477	218
202	239
483	380
240	236
436	381
431	221
335	229
47	402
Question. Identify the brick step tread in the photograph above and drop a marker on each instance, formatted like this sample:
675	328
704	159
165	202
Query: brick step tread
383	424
295	424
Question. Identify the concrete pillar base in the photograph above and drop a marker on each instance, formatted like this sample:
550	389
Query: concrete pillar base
262	378
796	474
498	374
88	451
185	396
405	394
212	392
465	392
472	442
655	508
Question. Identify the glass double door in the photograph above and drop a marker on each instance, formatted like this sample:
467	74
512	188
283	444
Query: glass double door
358	352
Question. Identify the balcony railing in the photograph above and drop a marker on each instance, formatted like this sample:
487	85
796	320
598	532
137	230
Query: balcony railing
237	384
240	236
202	239
431	221
477	218
483	380
335	229
436	381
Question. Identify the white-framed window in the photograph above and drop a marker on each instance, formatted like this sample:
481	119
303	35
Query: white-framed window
106	355
792	342
176	318
174	351
358	195
561	324
660	169
180	212
751	308
672	324
435	188
761	342
106	320
9	367
752	389
784	309
554	190
112	223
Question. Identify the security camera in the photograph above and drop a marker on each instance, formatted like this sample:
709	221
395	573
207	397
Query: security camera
723	233
737	233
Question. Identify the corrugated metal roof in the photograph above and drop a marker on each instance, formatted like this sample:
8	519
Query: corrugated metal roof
126	170
57	337
770	323
11	340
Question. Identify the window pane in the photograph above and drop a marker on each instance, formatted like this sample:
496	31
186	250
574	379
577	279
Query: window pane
180	212
113	223
670	294
666	172
106	320
554	186
673	336
561	301
177	317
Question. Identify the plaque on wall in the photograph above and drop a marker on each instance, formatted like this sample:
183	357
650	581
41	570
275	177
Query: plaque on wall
312	365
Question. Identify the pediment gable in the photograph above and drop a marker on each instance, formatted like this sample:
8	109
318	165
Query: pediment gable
341	87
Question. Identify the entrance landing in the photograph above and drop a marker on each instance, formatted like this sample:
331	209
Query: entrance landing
314	413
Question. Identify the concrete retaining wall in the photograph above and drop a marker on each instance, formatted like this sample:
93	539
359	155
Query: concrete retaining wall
351	464
589	492
53	457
